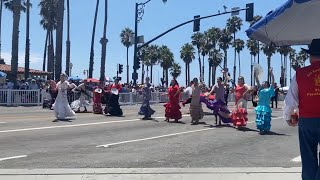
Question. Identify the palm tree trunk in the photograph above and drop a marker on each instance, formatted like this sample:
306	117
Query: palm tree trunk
92	41
269	65
27	50
290	70
142	72
167	77
68	43
151	73
202	72
103	42
128	65
1	8
251	75
199	59
258	52
209	77
186	65
59	38
188	74
45	52
163	74
15	40
235	57
214	71
239	64
225	61
51	60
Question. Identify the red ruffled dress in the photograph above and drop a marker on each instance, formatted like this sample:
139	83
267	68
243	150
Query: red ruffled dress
172	108
97	100
239	114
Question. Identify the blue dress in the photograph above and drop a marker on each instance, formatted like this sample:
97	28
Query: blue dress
263	110
145	107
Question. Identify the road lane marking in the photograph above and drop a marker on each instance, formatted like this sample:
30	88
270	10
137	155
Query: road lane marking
2	122
155	137
74	125
296	159
162	136
13	157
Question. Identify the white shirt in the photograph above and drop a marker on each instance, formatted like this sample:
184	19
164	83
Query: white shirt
292	99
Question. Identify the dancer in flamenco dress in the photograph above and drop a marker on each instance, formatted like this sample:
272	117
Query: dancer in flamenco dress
196	111
263	110
218	105
113	106
61	105
239	114
145	108
172	108
97	98
81	102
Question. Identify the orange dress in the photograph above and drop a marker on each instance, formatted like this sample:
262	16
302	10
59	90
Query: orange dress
172	108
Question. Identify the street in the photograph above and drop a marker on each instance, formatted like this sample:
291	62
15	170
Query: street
31	140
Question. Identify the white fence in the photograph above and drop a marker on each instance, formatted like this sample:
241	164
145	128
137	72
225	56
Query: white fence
36	97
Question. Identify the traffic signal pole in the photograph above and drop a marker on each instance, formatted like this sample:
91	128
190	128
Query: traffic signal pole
249	10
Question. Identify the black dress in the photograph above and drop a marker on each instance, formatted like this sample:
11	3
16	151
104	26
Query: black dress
112	105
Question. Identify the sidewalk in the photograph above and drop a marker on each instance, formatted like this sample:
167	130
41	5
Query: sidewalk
272	173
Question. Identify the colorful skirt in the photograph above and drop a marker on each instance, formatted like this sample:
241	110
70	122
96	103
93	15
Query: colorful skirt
97	108
217	106
146	110
263	117
239	114
172	111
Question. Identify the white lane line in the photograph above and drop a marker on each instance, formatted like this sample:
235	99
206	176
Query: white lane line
75	125
167	135
67	126
296	159
155	137
13	157
2	122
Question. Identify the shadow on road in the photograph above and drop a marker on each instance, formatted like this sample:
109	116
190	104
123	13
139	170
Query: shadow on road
64	120
271	133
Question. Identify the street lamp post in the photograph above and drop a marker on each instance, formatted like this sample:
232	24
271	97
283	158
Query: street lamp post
139	12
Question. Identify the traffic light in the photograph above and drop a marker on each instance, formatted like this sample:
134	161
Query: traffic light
196	23
249	12
120	68
137	62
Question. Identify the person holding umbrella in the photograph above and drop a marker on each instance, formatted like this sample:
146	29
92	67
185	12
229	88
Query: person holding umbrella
304	93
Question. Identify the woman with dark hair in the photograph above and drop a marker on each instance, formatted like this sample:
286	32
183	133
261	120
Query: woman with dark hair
97	98
172	110
263	110
113	106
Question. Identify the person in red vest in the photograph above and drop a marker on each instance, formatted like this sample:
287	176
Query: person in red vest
304	94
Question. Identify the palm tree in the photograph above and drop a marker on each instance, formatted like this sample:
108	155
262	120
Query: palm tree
238	46
255	20
27	49
303	56
234	25
216	59
175	70
103	42
198	41
166	61
187	55
91	61
224	43
154	55
292	58
268	50
252	45
68	43
144	58
15	6
213	34
59	38
125	35
205	48
49	23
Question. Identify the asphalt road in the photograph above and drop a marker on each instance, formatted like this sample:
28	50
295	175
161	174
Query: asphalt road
30	139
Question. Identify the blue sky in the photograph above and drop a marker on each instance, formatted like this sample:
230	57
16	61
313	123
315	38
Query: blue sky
158	18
